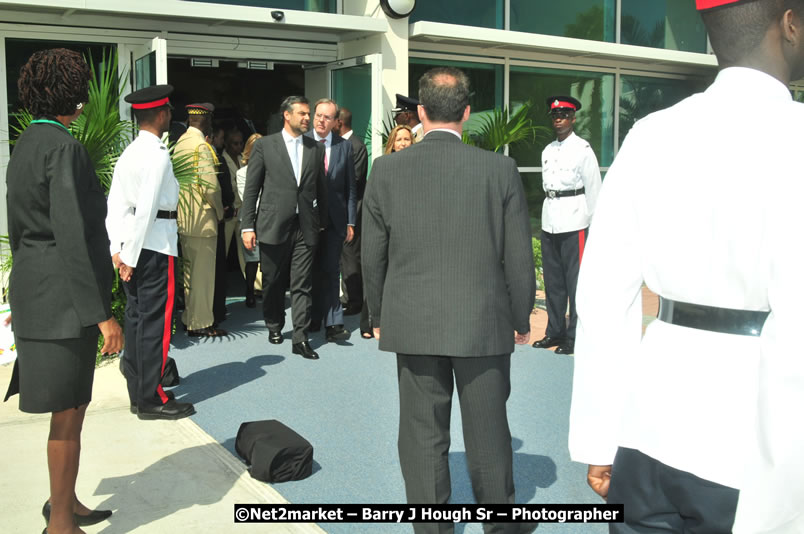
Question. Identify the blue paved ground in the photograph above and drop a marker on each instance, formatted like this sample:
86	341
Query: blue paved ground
346	405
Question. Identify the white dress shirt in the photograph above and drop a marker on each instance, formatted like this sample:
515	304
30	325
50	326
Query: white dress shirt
143	180
701	204
326	140
295	153
567	165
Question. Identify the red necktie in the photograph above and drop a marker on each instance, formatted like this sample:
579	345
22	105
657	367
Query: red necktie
326	159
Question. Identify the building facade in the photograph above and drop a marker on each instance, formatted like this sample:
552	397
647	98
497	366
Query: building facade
621	58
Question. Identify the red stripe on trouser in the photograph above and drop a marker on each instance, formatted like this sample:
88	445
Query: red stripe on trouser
581	243
171	287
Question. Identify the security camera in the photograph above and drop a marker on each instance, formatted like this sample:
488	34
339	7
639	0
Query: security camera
278	16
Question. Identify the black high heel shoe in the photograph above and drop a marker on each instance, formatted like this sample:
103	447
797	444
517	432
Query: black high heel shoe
92	518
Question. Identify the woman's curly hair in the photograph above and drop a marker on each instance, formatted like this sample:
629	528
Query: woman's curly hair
53	82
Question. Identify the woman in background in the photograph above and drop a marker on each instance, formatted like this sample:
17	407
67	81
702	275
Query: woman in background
251	257
401	137
60	286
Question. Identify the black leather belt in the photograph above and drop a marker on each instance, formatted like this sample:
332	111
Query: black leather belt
164	214
568	193
723	320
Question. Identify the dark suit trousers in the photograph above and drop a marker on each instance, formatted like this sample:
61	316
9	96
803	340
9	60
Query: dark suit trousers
561	261
275	260
351	271
326	280
219	296
148	323
661	499
425	401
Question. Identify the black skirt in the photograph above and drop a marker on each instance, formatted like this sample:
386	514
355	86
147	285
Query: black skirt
52	375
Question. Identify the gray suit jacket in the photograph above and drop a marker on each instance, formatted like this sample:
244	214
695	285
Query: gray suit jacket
447	255
270	174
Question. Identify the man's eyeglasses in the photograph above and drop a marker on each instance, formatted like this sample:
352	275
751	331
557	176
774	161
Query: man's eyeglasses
561	114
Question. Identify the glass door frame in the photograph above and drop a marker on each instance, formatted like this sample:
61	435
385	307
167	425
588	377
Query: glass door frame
375	124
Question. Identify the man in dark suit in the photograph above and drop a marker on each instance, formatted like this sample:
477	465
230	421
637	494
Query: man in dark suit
450	282
339	167
289	169
352	285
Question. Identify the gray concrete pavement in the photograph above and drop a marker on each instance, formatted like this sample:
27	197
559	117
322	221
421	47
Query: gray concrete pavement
157	476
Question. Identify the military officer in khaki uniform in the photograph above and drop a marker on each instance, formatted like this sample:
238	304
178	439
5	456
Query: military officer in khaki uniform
200	209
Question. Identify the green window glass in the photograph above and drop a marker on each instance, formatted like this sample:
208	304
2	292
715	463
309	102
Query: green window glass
595	121
319	6
671	24
486	81
582	19
351	88
483	13
640	96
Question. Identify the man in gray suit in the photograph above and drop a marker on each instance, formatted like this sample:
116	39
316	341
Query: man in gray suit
449	276
287	170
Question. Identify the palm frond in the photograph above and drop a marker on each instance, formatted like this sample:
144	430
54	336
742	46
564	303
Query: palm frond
99	128
499	128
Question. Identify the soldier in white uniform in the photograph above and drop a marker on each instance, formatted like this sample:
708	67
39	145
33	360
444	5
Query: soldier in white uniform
571	181
141	222
702	417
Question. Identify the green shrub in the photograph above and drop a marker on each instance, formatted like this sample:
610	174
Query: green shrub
537	261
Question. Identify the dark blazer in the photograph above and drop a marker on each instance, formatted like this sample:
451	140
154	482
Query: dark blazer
361	165
447	255
341	187
270	174
61	279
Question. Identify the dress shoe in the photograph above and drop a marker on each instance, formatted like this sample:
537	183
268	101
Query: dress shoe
93	517
546	342
170	410
251	301
337	333
274	337
305	350
209	331
566	348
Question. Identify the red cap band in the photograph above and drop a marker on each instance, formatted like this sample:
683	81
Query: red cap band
155	104
709	4
561	104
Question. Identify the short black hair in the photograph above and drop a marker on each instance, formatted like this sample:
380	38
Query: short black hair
53	82
147	116
287	104
202	122
735	30
444	94
345	116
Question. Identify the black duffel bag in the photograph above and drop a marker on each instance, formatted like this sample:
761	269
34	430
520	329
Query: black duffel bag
275	452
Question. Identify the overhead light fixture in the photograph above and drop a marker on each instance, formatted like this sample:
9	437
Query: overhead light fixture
203	62
398	9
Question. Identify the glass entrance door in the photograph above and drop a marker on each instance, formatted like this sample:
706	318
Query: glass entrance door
149	64
356	84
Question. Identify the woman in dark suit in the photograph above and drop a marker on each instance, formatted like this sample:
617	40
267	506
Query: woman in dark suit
61	280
